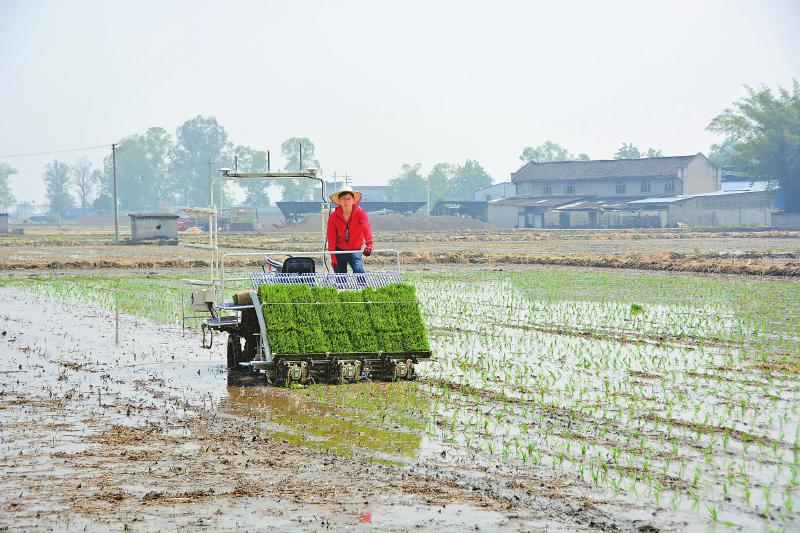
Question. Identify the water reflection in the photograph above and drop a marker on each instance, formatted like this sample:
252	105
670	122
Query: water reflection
343	422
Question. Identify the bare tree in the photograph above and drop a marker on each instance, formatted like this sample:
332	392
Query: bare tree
83	179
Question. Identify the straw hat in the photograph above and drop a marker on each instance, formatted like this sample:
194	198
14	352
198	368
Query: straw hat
346	188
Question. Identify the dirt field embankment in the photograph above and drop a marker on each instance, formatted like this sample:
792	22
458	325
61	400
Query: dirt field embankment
770	253
670	262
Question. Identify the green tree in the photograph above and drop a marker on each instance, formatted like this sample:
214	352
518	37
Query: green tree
722	154
83	179
56	178
252	160
409	185
104	202
143	179
467	179
439	181
627	151
548	152
202	148
298	153
6	198
764	128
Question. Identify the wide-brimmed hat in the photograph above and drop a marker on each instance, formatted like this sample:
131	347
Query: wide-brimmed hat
346	188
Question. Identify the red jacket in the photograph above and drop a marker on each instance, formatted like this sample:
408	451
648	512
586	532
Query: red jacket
350	235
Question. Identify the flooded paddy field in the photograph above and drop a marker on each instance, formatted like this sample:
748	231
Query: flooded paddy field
557	400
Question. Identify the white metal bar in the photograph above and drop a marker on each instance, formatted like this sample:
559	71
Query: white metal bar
265	350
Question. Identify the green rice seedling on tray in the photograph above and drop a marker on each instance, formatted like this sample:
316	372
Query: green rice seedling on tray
323	319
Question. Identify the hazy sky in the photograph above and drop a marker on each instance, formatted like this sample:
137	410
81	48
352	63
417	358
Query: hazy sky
381	83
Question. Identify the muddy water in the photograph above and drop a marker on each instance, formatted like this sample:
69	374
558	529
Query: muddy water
107	425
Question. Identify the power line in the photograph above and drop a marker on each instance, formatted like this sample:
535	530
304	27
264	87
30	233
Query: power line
55	151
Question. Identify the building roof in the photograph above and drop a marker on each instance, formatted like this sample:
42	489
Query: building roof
493	185
153	215
745	185
548	201
650	167
583	205
673	199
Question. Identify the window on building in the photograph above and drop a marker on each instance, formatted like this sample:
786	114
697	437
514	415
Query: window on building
645	186
523	188
669	186
570	188
488	197
620	187
548	190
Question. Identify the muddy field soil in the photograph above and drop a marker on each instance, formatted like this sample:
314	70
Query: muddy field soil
127	425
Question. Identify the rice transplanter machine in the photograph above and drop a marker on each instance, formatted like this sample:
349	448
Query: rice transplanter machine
249	328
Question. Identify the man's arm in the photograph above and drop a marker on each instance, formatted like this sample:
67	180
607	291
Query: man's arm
332	240
367	234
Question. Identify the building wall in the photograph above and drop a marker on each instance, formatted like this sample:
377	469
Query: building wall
645	218
574	219
601	187
145	228
504	216
786	220
700	177
746	209
495	192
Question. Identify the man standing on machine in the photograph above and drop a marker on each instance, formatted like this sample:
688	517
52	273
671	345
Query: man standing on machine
348	229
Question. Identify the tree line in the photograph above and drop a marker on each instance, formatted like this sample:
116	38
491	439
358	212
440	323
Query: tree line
551	152
152	169
445	181
761	139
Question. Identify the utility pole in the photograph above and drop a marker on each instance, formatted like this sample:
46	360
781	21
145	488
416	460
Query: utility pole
336	181
268	169
236	163
114	166
346	179
300	144
209	181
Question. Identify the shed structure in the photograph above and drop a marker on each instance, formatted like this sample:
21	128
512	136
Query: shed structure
153	226
719	208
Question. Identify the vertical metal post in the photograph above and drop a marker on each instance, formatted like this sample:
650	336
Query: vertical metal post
268	170
114	166
116	313
428	200
300	143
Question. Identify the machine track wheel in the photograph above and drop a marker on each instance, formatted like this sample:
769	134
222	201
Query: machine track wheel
234	351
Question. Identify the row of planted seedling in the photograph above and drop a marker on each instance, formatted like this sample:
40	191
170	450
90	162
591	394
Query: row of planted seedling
671	411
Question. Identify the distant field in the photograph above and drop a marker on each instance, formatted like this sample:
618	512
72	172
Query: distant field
719	251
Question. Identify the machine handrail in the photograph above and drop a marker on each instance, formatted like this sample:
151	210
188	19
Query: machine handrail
295	252
228	174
